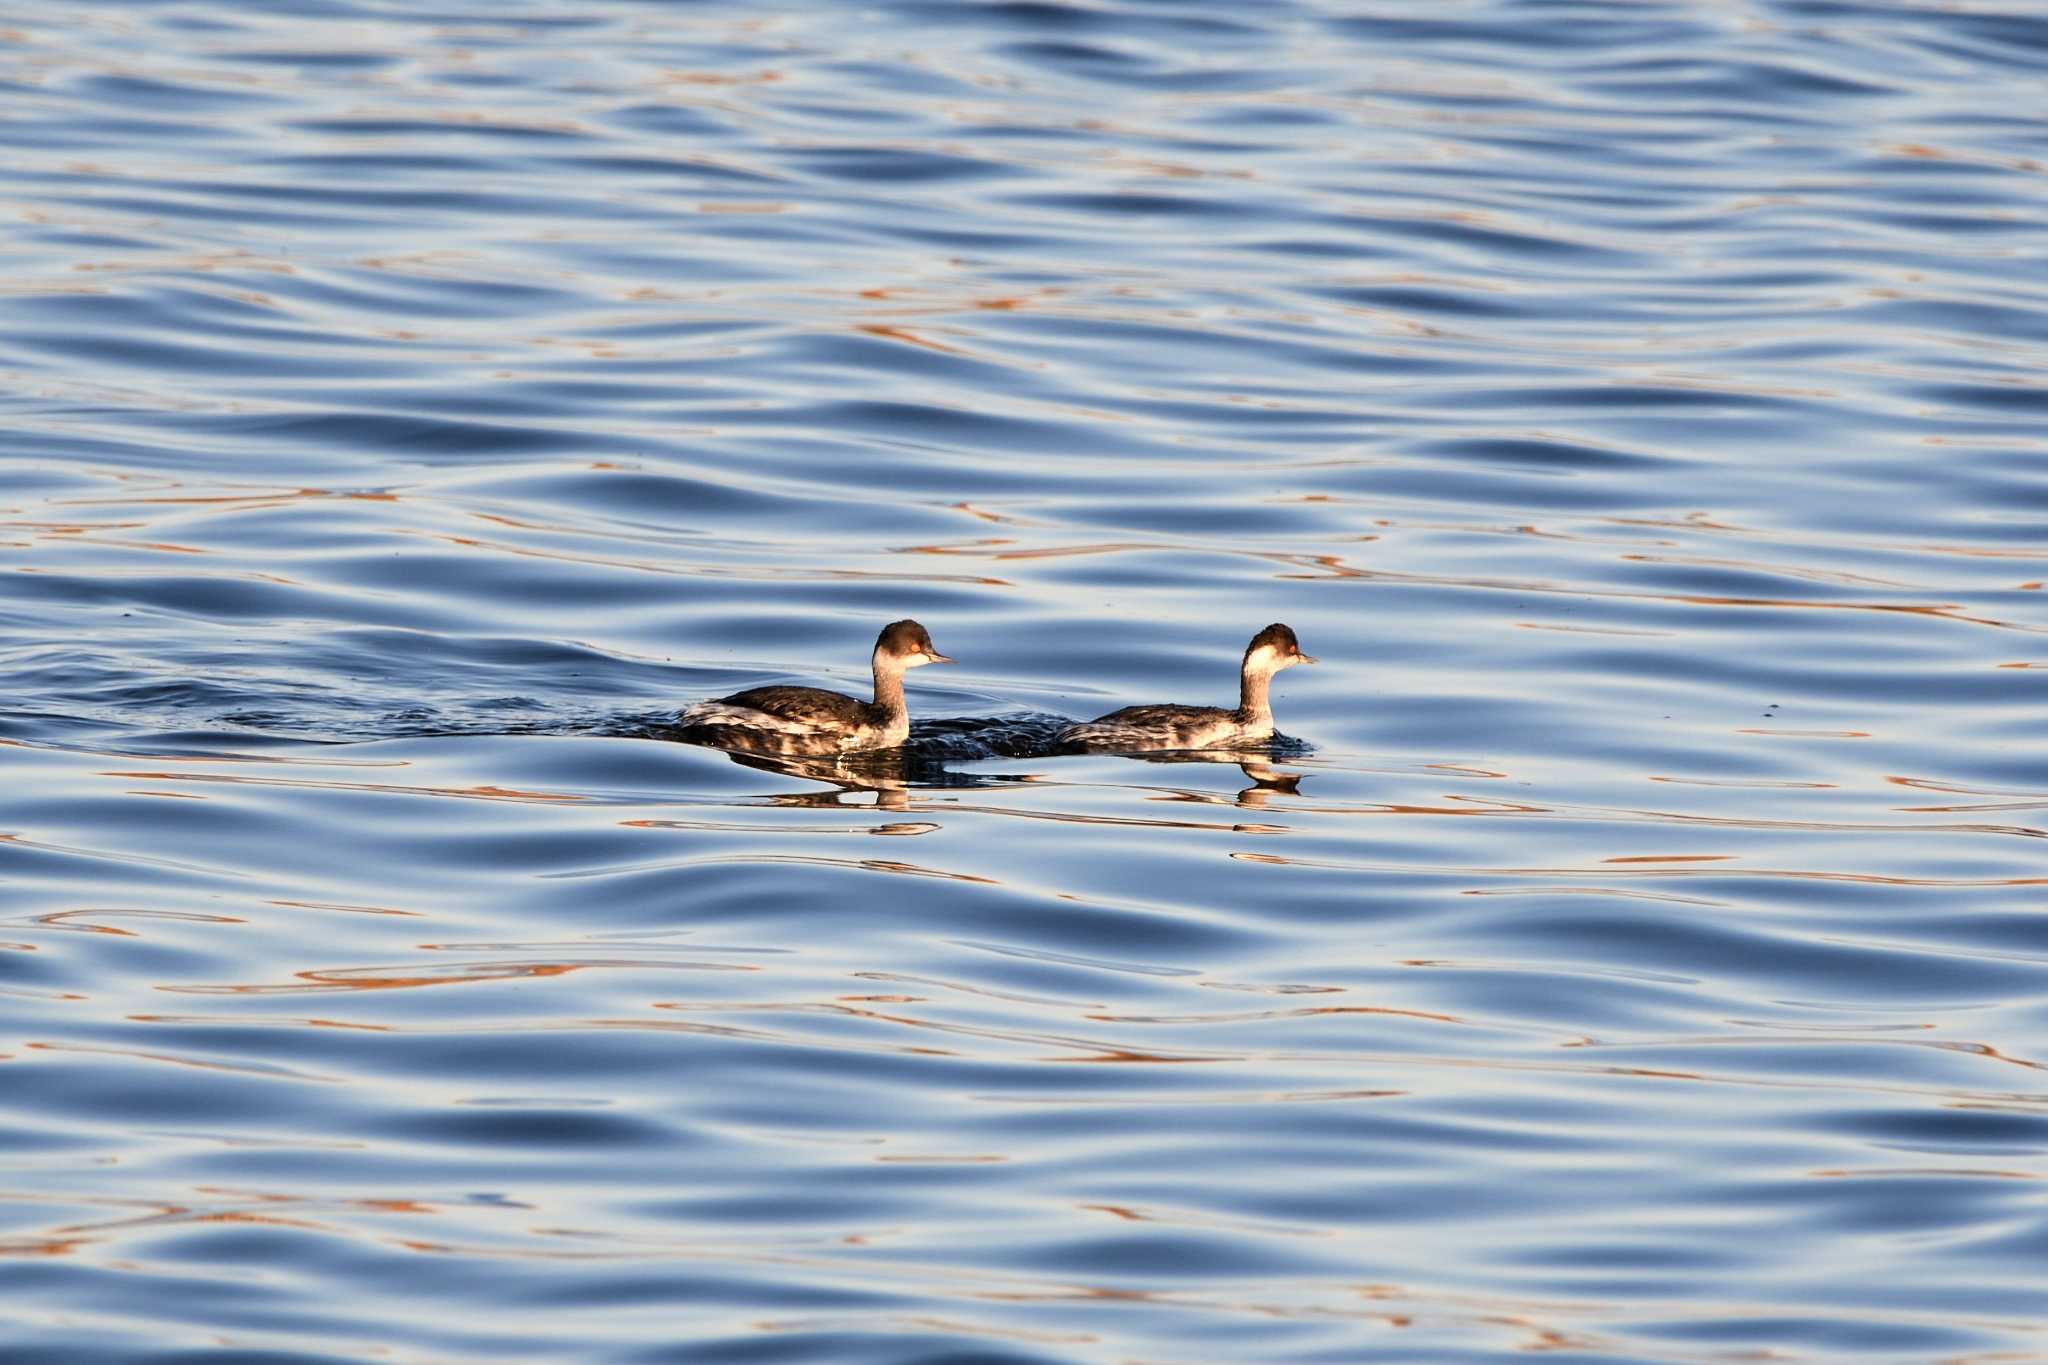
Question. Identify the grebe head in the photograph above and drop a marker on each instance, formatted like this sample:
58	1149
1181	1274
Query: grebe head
906	644
1273	649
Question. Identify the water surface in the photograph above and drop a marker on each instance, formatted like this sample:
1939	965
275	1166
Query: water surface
1638	407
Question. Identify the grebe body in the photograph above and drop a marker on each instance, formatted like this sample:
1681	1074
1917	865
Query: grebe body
811	720
1169	726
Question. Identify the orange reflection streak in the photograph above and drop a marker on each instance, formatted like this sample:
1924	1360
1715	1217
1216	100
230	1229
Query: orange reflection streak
1478	806
1304	1012
904	334
136	858
77	921
72	528
924	1323
757	1035
1460	805
1079	1293
1270	988
1066	817
1984	1050
1847	580
1589	630
279	497
1474	528
1621	893
1802	1037
260	1219
1805	734
998	518
48	1246
1463	770
858	864
1051	552
1980	552
163	546
1919	1172
1788	873
1121	1056
368	1205
1933	785
269	1022
160	1214
967	988
350	909
2028	800
1435	1309
266	1070
1748	782
1094	1051
323	761
480	793
223	575
750	573
1182	1218
735	827
453	974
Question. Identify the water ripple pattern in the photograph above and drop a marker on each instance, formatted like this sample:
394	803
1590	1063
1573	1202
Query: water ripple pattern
1637	952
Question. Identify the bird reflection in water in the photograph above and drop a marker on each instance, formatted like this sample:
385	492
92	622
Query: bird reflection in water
1266	780
886	774
889	774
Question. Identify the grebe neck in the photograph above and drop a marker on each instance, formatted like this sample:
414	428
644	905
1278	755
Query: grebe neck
1253	707
889	690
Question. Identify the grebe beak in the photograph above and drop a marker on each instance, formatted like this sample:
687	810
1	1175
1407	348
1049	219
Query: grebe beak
1302	658
932	656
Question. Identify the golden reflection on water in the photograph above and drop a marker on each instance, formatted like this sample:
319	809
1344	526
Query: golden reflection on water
137	859
900	828
333	979
669	568
87	921
856	864
272	1021
346	909
266	1070
1717	871
482	792
1302	1012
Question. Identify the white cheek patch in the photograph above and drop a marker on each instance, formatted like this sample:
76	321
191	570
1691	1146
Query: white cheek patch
1265	658
746	717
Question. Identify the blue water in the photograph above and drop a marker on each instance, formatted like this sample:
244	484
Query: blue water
1639	954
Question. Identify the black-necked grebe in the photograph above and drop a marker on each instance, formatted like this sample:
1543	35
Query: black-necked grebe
810	720
1200	727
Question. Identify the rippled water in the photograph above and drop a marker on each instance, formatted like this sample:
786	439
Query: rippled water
1638	406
